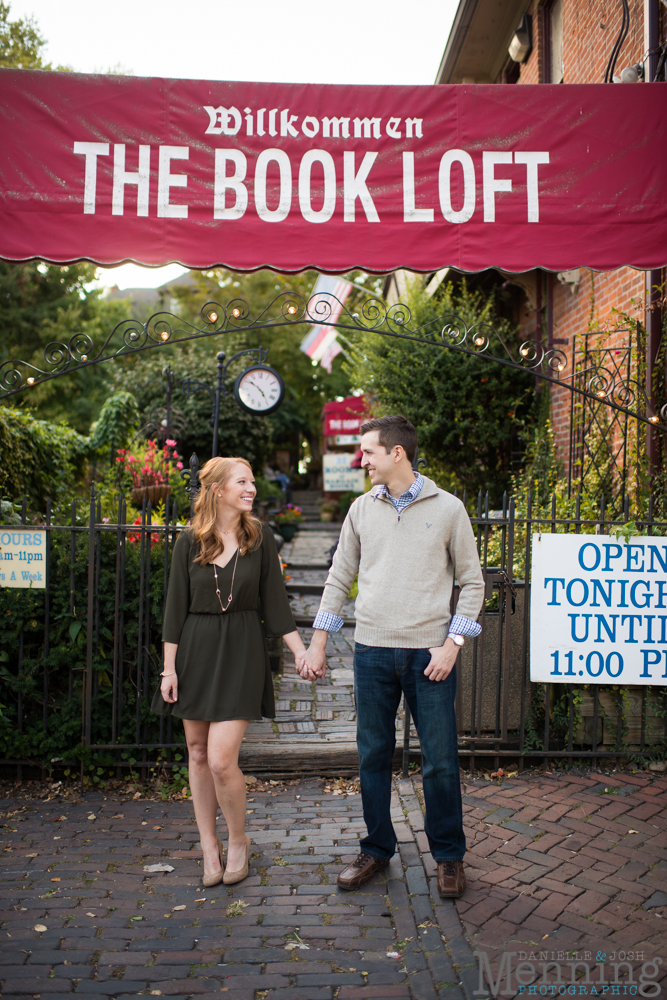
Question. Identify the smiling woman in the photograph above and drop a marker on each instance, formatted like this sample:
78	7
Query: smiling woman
225	573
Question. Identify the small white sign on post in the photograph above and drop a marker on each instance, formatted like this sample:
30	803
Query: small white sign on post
22	557
338	476
598	610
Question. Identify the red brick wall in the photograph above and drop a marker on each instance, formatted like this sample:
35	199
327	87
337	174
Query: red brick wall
590	29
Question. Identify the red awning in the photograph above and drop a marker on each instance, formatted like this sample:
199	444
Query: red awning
344	417
248	175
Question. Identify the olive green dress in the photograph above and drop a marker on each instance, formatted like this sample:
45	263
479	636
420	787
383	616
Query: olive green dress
222	661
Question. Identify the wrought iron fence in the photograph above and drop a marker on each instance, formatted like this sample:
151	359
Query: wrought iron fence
81	657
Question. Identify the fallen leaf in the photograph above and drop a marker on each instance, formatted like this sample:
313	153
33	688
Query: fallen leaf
156	993
633	831
40	928
31	855
92	816
137	795
90	914
393	954
55	880
158	868
181	907
119	816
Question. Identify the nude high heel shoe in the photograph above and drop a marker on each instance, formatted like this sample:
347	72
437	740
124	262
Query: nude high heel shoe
230	877
217	877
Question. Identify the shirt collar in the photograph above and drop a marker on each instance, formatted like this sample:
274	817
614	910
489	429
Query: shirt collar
413	490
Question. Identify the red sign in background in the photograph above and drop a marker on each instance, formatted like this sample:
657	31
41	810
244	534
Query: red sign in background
247	175
346	416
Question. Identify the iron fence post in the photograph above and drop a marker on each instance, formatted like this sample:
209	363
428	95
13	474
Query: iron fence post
90	626
218	395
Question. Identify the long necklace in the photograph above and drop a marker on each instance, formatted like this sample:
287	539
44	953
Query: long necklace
231	589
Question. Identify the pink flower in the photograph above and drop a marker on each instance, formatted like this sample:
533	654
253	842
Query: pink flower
179	465
170	443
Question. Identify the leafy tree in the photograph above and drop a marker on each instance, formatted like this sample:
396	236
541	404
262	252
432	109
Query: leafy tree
470	414
20	42
307	386
116	426
43	305
240	433
37	459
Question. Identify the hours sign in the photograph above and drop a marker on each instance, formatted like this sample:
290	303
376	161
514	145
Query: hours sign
598	610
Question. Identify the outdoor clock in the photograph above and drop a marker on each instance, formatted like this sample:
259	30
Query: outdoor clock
259	389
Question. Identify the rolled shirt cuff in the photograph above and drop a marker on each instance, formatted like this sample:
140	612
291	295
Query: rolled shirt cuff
328	621
460	625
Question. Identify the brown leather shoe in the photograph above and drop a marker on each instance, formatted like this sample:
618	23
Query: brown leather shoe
361	870
451	879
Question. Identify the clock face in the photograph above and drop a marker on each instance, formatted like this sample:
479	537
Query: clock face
259	389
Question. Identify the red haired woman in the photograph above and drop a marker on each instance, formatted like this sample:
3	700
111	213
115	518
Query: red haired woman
225	578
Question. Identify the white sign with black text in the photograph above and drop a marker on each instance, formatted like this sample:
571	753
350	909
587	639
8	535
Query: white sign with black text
22	557
598	610
337	474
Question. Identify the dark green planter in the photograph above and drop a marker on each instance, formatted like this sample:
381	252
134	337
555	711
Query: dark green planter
288	531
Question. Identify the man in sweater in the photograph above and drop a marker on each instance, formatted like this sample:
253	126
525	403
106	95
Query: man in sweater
407	539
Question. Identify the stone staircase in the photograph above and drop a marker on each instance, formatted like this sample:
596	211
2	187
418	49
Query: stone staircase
309	502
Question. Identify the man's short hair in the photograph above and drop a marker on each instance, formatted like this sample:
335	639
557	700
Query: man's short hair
392	431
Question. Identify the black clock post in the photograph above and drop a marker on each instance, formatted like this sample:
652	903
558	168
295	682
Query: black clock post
264	400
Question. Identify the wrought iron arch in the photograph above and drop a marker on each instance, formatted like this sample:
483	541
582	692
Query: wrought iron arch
129	337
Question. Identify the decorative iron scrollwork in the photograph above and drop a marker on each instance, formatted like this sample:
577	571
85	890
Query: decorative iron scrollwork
371	315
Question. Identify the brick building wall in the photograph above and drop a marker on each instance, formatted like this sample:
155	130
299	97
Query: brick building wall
590	29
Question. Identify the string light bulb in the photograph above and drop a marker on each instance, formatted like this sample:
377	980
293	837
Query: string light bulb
31	381
164	335
236	312
84	357
654	419
291	310
213	317
479	341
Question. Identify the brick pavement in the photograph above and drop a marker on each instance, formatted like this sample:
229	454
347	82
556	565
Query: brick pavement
555	865
567	864
81	915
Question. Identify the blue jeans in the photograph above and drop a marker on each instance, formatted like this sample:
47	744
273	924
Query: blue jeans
380	675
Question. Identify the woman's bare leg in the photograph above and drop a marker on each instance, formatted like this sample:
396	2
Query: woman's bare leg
202	787
224	742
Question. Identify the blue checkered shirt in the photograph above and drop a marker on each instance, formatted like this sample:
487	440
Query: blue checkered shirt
459	625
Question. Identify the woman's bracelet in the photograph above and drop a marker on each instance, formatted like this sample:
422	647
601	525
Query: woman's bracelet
170	674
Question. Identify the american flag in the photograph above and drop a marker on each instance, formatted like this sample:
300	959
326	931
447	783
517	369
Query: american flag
320	343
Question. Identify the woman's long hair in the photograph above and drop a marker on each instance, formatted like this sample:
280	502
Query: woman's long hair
218	471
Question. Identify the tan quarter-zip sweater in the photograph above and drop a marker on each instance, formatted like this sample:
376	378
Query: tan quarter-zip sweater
406	564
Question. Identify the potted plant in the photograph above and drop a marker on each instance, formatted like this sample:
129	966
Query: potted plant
288	520
328	510
150	472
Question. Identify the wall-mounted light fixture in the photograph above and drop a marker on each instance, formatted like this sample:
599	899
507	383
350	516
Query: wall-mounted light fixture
522	40
631	74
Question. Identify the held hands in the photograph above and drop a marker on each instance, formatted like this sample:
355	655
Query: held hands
169	688
443	659
315	661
